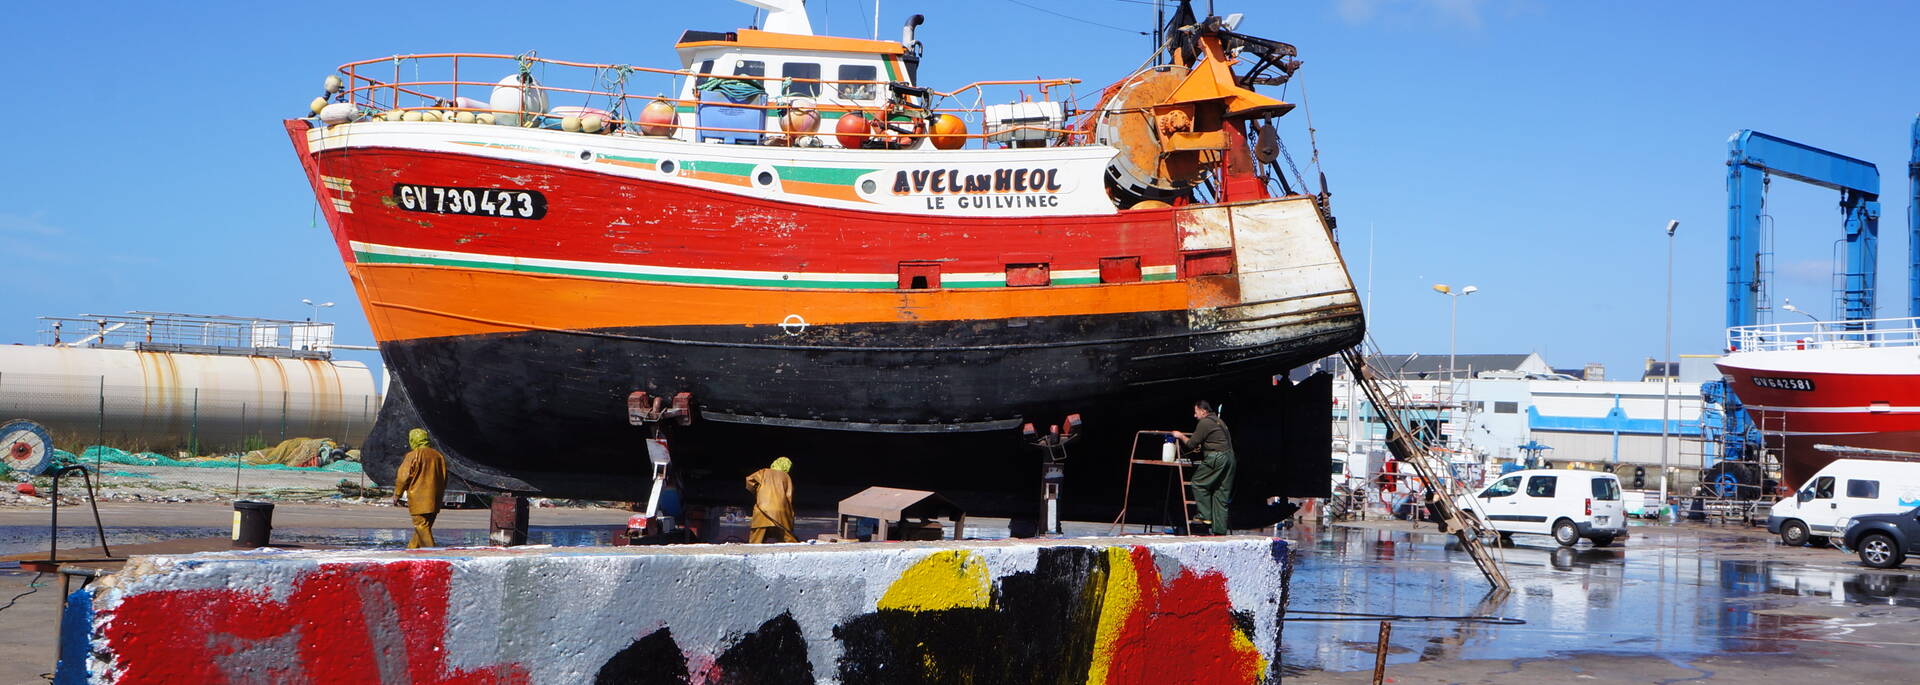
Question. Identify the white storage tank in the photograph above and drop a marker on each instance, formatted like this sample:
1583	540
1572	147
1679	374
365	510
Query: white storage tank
169	401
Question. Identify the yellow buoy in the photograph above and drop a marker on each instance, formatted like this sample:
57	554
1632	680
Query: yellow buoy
334	84
570	124
483	118
317	105
592	123
463	117
411	115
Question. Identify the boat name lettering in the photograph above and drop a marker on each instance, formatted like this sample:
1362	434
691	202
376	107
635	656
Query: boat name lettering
957	182
1802	384
505	203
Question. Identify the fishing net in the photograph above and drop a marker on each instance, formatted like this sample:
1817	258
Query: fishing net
295	454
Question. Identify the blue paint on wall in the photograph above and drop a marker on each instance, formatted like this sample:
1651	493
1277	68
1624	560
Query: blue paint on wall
76	639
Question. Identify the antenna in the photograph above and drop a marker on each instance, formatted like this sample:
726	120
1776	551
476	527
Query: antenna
876	19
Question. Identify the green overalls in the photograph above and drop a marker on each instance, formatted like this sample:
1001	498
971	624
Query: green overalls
1213	478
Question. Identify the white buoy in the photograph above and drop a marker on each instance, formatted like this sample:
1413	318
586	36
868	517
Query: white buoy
570	124
334	84
463	117
411	115
483	118
392	115
317	105
338	113
517	94
592	123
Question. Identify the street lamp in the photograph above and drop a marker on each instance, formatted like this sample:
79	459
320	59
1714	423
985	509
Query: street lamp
1453	328
316	308
1787	304
1666	379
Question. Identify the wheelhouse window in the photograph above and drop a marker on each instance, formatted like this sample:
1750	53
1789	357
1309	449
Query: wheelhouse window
802	70
1120	270
1506	407
705	69
1542	486
858	72
1027	274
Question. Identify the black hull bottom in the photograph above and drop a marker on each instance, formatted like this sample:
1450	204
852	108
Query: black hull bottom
544	413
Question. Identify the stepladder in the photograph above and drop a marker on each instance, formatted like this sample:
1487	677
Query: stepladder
1181	466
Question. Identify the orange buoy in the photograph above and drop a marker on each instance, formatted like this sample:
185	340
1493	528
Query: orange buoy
949	132
853	130
658	118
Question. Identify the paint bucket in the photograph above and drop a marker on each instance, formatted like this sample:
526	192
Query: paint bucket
1168	452
252	523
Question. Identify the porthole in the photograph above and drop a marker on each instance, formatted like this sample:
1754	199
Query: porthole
586	156
868	186
764	178
666	166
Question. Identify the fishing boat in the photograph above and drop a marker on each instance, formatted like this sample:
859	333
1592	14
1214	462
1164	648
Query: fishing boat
812	253
1843	384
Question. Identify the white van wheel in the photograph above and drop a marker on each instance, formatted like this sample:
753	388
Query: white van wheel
1794	533
1565	534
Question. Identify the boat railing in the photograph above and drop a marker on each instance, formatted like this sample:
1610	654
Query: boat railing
433	85
192	333
1825	335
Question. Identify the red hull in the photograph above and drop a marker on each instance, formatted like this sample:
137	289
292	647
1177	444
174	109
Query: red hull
1866	397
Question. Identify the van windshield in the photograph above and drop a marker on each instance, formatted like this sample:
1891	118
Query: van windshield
1606	489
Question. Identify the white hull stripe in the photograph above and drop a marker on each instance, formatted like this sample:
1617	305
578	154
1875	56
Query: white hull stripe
375	253
342	206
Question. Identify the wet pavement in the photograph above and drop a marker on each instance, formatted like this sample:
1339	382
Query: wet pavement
1666	593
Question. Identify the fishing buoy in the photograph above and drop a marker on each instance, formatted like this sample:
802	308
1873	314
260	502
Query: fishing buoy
517	94
657	118
463	117
334	84
317	105
570	124
411	115
853	130
338	113
483	118
592	123
429	115
801	118
949	132
1150	204
392	115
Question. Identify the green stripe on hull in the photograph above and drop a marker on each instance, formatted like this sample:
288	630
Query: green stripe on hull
376	258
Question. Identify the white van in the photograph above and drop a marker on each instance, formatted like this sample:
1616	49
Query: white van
1564	503
1844	489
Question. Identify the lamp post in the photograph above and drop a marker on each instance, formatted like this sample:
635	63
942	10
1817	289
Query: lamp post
1666	363
1787	304
316	308
1453	328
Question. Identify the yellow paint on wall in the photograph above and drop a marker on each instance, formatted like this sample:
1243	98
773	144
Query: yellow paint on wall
1122	593
954	579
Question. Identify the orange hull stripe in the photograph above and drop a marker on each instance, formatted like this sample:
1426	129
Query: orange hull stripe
830	191
406	302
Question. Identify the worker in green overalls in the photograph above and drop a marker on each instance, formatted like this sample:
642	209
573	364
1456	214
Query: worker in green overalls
1212	446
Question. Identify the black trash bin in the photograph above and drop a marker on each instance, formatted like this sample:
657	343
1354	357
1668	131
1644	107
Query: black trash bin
252	523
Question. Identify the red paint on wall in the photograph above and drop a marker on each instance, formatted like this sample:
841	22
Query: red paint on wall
344	623
1180	632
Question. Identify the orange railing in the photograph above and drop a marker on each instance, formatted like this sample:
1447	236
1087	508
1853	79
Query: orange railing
609	91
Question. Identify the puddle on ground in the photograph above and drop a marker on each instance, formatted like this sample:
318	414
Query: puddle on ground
1648	595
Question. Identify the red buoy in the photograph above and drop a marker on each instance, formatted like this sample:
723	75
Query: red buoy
853	130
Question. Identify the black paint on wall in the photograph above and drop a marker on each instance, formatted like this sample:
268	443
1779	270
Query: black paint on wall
651	660
775	654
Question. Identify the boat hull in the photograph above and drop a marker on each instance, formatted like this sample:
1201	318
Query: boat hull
1866	397
791	322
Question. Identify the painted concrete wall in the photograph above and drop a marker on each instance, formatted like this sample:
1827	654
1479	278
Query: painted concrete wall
1107	610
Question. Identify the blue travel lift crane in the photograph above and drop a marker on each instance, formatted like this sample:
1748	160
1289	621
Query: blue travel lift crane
1753	158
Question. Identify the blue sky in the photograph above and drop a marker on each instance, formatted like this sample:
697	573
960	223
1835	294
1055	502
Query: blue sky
1533	149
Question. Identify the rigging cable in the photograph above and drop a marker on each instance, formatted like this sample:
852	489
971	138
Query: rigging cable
1078	19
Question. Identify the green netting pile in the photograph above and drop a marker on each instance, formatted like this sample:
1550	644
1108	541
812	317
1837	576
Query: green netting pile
271	459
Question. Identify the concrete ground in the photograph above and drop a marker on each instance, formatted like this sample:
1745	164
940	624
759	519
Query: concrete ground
1688	603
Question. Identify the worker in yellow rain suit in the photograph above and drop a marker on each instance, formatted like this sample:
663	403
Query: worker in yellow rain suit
422	479
772	492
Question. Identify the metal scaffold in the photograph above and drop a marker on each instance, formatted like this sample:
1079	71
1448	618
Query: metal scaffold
1390	401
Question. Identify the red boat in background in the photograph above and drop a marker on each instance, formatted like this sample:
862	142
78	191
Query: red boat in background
1842	383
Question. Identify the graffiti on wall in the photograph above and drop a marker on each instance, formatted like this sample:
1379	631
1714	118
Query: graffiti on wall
1078	614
